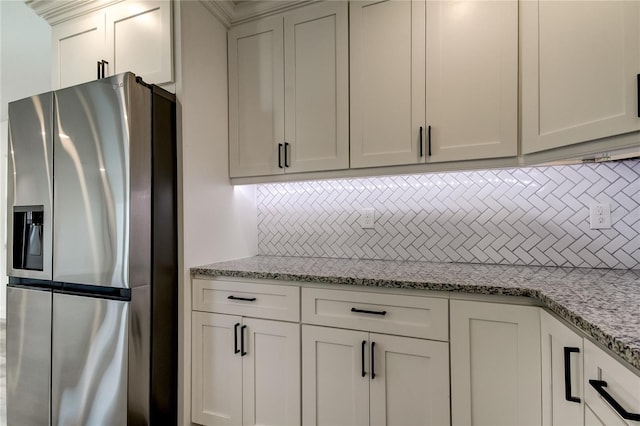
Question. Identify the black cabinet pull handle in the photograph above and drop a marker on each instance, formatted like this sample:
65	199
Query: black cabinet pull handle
599	386
246	299
242	351
364	343
567	374
420	142
364	311
280	155
638	89
286	156
235	338
429	139
373	365
101	65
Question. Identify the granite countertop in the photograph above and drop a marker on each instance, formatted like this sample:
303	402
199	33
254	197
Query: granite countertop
603	303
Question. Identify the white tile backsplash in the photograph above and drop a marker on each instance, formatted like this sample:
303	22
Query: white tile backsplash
523	216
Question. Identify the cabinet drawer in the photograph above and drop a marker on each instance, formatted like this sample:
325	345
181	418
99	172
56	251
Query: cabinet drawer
414	316
278	302
621	384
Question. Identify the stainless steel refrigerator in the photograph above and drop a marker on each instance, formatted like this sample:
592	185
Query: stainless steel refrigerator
92	256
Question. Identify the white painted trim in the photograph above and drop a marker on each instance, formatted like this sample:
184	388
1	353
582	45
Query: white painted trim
55	12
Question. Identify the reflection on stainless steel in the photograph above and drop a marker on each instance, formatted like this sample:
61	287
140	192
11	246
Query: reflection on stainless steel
30	171
139	346
92	185
89	361
28	355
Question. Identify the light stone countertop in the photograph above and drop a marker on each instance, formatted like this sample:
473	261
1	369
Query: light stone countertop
603	303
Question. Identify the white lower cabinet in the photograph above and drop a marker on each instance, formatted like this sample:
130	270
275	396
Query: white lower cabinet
611	390
245	353
495	364
360	378
245	371
562	373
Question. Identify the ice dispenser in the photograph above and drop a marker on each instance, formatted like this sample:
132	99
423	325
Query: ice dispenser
27	237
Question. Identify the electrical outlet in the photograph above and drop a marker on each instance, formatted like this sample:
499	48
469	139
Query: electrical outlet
367	218
600	216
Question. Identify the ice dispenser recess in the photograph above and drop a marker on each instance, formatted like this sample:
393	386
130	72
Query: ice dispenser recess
27	237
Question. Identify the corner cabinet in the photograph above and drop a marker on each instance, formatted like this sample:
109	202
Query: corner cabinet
131	36
433	81
245	370
562	373
288	92
495	364
580	67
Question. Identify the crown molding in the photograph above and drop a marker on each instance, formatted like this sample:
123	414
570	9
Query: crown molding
231	12
57	11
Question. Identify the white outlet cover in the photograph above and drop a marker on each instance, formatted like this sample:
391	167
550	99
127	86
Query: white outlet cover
600	216
367	218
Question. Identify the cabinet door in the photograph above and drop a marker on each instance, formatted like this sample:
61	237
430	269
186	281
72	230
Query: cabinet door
335	377
472	79
256	98
411	383
77	47
495	364
591	419
139	40
271	373
580	60
216	371
387	50
620	383
561	348
316	58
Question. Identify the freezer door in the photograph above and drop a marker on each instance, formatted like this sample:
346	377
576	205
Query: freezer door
89	361
29	187
96	132
28	356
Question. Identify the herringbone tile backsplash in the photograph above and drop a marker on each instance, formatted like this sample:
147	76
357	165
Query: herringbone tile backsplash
523	216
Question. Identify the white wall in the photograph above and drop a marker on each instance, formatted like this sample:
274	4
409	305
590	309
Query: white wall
219	221
25	70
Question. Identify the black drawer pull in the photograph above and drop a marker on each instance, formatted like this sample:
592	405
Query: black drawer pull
429	138
246	299
364	311
420	142
235	338
364	343
280	155
599	386
567	374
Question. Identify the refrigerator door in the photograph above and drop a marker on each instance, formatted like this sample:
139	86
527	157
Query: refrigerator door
29	188
95	143
89	361
28	356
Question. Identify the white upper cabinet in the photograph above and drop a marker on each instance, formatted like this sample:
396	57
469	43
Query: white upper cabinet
433	81
256	98
78	45
580	62
472	80
288	92
387	48
129	36
316	58
139	40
